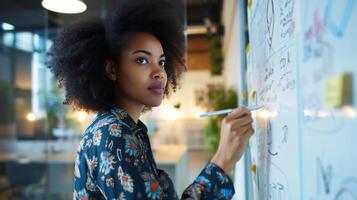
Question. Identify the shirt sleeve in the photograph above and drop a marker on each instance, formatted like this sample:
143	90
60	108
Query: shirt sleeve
211	183
114	167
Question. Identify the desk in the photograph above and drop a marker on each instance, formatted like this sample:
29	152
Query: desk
173	159
7	156
45	158
58	157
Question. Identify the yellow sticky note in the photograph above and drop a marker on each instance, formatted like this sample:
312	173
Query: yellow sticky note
338	91
245	95
250	2
254	95
254	169
247	48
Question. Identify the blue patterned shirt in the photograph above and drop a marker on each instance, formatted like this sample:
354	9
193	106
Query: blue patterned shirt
115	161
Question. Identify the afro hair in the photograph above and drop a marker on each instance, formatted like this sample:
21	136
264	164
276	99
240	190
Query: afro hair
79	52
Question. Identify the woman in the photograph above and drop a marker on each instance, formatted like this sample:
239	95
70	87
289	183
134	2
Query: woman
119	67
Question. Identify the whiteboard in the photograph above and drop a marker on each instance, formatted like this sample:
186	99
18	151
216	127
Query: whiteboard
329	135
302	148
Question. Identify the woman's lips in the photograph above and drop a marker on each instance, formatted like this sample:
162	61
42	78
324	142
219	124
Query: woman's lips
157	90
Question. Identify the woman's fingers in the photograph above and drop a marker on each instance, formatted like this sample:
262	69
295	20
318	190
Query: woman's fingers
247	134
236	128
237	124
244	129
242	121
238	112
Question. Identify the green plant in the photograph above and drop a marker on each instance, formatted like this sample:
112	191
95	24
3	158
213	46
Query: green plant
216	56
218	99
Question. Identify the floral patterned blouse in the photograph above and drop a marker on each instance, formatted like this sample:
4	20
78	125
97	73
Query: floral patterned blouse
115	161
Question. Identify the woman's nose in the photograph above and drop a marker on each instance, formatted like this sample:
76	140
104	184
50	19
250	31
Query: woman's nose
158	73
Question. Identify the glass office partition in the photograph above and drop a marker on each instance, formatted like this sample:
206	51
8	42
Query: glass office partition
38	134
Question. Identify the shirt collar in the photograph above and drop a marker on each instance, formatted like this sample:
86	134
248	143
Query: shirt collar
125	117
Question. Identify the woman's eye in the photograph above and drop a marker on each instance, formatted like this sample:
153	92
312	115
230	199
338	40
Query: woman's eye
162	63
142	61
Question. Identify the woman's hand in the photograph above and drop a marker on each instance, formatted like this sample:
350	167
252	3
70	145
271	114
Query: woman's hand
236	129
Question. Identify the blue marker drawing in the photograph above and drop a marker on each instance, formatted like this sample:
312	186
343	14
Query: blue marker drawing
339	29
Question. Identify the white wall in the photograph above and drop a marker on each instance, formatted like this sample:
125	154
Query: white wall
231	44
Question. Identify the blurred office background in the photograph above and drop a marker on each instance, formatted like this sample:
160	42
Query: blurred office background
39	135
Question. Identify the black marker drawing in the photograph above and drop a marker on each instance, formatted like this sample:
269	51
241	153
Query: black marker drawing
270	17
348	189
326	175
285	130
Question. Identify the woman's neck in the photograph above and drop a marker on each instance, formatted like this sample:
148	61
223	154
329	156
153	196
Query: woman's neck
133	110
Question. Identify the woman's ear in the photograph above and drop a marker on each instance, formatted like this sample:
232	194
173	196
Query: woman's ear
110	69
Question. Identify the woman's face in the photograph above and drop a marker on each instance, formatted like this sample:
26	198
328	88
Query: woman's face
141	77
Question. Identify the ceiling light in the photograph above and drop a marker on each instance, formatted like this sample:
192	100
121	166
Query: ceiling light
65	6
7	27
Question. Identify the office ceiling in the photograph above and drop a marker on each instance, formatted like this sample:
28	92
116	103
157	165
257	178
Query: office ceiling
29	14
